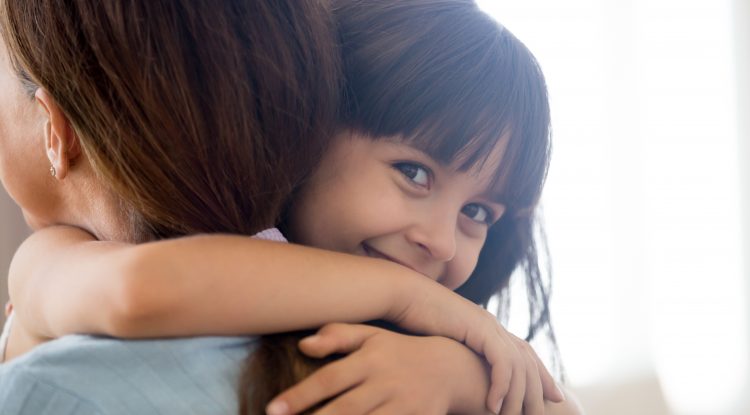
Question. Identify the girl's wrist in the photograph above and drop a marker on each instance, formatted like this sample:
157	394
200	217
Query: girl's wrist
419	304
404	285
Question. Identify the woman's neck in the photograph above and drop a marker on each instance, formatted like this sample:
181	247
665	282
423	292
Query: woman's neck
88	204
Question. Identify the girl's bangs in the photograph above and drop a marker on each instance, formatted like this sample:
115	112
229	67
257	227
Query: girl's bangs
481	112
453	94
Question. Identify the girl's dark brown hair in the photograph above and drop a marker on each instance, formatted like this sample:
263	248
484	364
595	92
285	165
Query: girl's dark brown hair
446	78
201	115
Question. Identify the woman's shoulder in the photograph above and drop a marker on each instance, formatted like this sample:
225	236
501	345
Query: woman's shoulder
192	375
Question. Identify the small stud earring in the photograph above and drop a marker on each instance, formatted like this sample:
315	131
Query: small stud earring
52	171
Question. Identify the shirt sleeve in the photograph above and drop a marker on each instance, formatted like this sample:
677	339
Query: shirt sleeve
271	234
23	394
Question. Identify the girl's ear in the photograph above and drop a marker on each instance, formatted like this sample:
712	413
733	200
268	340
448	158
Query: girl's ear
60	141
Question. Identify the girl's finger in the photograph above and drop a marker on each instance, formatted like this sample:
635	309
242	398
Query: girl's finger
359	400
513	401
500	386
336	338
328	381
550	390
533	401
501	370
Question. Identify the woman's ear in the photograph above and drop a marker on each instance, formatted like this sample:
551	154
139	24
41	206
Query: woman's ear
60	141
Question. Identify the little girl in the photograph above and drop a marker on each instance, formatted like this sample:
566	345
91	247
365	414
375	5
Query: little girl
441	155
408	65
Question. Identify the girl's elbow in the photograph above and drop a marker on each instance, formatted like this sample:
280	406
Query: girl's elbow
137	300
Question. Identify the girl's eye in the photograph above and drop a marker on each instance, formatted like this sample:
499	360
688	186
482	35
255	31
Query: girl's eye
415	173
478	213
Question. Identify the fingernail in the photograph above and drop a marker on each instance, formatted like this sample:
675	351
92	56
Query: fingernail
277	408
312	338
498	406
560	393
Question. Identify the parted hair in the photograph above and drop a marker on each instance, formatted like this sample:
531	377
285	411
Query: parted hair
201	115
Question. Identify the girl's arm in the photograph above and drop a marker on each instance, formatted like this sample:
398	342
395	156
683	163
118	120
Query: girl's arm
63	281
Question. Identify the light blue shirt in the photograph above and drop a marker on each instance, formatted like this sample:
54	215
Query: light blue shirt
86	375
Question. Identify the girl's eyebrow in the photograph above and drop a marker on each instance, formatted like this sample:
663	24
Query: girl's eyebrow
496	196
496	193
408	147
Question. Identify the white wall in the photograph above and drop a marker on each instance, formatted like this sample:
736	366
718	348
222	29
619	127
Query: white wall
12	231
741	25
643	200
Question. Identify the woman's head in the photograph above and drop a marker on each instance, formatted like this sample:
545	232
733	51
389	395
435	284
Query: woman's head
23	162
445	79
194	115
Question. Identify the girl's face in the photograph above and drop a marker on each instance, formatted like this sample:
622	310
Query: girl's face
23	163
385	199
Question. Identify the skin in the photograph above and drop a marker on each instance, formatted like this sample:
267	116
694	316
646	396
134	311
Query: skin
394	385
385	199
21	146
35	134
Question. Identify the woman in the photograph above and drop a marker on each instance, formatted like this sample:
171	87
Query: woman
141	101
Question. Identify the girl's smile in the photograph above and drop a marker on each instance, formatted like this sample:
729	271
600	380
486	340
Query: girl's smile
374	253
384	198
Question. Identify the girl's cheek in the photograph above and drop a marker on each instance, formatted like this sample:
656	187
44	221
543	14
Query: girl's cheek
475	233
459	270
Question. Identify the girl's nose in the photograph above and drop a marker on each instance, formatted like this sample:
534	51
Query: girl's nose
437	238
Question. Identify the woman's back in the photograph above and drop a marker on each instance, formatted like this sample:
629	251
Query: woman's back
78	375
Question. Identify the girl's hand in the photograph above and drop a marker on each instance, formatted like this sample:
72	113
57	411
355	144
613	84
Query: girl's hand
387	373
519	380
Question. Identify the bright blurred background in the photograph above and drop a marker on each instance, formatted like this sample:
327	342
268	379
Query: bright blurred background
646	198
646	202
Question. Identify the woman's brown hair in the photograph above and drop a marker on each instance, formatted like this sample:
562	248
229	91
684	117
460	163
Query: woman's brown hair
451	81
201	115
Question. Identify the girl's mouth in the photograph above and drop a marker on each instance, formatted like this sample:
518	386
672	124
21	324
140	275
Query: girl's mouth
374	253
